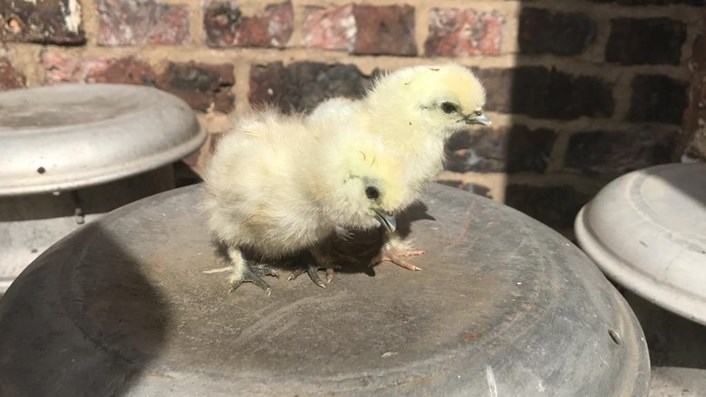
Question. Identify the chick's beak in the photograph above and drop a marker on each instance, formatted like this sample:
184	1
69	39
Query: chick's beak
481	119
387	220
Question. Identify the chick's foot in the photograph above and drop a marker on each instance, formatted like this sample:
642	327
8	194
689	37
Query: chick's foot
396	253
312	270
252	273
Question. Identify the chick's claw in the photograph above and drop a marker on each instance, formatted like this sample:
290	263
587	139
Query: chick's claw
312	271
253	273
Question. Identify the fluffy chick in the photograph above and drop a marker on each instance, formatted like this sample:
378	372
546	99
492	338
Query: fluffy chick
414	110
278	187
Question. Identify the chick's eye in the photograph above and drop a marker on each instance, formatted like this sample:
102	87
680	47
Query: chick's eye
477	113
448	108
372	192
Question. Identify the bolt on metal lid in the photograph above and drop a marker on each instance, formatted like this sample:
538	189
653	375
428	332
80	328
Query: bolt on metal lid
647	231
75	135
504	307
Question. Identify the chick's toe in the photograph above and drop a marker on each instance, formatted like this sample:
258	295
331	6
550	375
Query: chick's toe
396	254
317	259
252	273
310	269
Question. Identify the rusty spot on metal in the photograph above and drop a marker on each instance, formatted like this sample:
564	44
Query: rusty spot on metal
13	24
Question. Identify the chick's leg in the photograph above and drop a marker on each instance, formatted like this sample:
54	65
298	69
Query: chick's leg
395	251
247	271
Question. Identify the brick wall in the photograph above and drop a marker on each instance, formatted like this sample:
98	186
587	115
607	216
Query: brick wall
693	144
579	91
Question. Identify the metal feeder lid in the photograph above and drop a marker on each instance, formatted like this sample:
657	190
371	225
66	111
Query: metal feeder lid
75	135
647	230
504	307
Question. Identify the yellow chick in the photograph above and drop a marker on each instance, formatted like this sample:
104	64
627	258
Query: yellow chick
278	187
414	110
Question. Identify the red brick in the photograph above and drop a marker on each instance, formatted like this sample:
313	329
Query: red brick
384	30
361	29
226	27
10	78
131	22
46	21
503	149
459	32
547	93
544	31
201	85
330	28
280	23
694	130
127	71
300	86
698	54
221	22
618	152
60	68
653	41
658	98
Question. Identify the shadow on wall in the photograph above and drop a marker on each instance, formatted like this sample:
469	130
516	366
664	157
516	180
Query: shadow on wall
81	320
582	114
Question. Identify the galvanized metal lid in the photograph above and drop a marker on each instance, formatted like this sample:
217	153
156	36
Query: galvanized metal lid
504	307
647	230
69	136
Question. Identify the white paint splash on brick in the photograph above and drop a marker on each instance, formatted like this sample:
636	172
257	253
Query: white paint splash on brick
332	28
72	15
351	30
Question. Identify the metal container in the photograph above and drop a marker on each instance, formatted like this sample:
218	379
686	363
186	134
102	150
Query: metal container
69	153
647	231
72	136
504	307
29	224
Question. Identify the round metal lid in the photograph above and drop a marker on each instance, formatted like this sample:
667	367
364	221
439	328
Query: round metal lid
647	230
504	307
75	135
